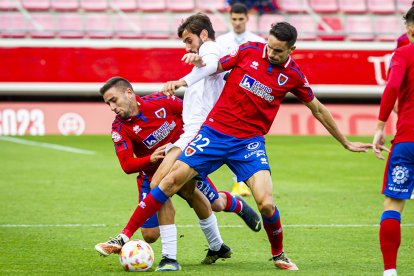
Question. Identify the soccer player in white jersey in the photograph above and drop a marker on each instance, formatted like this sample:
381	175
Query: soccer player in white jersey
230	41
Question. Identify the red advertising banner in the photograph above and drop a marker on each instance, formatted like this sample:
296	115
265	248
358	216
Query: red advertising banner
96	118
155	65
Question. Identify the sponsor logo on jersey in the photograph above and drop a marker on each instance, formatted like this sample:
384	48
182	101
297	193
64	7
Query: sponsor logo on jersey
189	151
116	137
253	146
257	88
263	160
282	79
136	129
254	65
161	113
159	134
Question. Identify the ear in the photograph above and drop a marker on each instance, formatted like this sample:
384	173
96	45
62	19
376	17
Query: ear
129	92
292	48
204	35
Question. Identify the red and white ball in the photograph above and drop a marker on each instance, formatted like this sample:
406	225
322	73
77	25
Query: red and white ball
136	255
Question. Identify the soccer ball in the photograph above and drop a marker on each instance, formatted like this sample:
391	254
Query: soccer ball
136	255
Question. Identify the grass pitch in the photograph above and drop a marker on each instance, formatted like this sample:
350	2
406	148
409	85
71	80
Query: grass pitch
56	205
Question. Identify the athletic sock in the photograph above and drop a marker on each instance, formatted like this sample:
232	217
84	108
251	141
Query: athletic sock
168	234
390	237
273	228
210	229
233	204
145	209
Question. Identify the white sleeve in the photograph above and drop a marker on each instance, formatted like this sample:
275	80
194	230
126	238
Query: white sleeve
211	57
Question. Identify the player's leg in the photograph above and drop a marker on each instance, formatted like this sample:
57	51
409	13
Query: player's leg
179	174
168	234
390	233
208	222
397	187
166	165
261	185
224	201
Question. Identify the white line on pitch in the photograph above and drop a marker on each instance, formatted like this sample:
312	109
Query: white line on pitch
193	225
45	145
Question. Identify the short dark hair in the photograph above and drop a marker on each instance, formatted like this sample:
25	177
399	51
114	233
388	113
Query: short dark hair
409	16
195	24
239	8
117	82
283	31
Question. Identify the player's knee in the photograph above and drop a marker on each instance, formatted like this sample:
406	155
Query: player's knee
150	235
266	208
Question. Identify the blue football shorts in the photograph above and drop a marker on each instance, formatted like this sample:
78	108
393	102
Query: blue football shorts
210	149
207	188
144	188
399	172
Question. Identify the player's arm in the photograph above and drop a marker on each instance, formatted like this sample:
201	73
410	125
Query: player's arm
322	114
209	65
388	100
130	163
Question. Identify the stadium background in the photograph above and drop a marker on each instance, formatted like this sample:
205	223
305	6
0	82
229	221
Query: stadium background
56	54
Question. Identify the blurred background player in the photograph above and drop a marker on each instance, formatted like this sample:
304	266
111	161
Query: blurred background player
399	172
231	41
239	35
242	146
143	127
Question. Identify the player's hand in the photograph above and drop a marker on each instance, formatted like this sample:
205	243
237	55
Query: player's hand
358	146
158	154
171	86
194	59
378	144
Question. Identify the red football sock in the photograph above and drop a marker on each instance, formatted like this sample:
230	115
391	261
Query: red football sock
390	239
148	207
233	204
273	228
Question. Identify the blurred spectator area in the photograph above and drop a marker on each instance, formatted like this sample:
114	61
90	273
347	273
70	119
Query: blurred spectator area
316	20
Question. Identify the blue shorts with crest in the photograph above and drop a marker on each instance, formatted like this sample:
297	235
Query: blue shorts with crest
399	172
210	149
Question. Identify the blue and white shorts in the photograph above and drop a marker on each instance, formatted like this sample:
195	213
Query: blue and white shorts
399	172
211	149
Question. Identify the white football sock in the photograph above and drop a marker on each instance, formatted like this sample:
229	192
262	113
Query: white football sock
210	229
168	234
390	272
124	237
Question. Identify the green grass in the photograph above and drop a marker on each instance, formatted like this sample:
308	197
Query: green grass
316	183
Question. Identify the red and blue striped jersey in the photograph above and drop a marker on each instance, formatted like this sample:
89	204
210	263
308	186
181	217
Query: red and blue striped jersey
158	122
254	91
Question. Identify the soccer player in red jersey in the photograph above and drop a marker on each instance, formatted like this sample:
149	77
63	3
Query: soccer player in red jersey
261	76
398	183
144	127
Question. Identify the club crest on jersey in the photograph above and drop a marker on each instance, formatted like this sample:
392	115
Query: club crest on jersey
116	137
257	88
161	113
189	151
282	79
